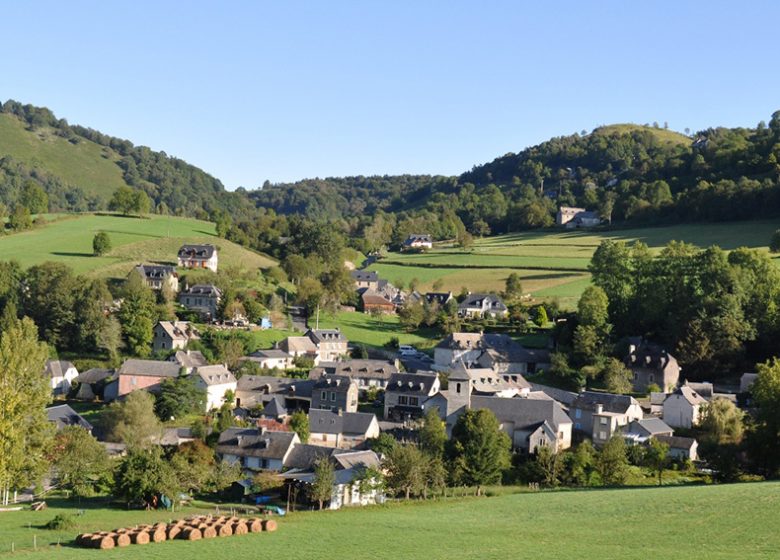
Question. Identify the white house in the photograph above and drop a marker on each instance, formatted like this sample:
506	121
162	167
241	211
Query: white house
61	375
570	217
418	241
256	449
198	256
271	359
683	407
216	380
345	430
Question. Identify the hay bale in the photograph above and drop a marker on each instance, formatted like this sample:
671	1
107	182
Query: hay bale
173	531
254	525
122	540
139	537
159	535
269	525
191	534
103	542
83	539
209	532
224	530
240	528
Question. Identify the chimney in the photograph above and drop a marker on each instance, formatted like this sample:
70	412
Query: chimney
599	408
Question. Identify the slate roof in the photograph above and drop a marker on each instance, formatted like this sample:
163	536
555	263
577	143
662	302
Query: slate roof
618	404
363	369
525	414
364	276
215	375
156	271
677	442
94	375
151	368
202	290
273	353
326	335
648	427
251	442
467	341
261	382
333	383
411	383
189	358
298	344
439	297
487	302
564	397
275	407
63	415
648	355
202	252
304	455
350	459
329	422
179	330
689	395
57	368
419	238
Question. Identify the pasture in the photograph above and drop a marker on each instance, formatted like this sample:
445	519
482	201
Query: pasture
551	263
713	522
68	239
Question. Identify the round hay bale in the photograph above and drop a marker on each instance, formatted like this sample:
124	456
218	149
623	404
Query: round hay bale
254	525
191	534
140	537
122	540
173	531
209	532
240	529
159	535
269	525
103	542
83	539
224	530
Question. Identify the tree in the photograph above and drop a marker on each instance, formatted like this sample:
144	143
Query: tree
383	444
48	299
321	488
514	287
550	464
433	433
92	298
194	463
299	422
582	464
411	315
81	462
617	377
612	462
722	421
20	219
132	421
110	338
479	449
123	200
230	350
657	457
138	315
593	307
34	197
143	475
540	316
101	244
25	431
359	352
774	242
406	467
178	397
766	434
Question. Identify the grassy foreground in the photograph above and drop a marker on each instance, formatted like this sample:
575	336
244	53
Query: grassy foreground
68	239
713	522
552	263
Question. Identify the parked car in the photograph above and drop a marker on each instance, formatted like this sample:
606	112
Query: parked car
406	350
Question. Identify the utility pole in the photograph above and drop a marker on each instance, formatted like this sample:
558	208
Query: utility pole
317	322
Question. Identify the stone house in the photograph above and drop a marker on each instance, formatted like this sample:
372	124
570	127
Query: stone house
158	275
650	364
599	416
173	335
406	393
256	449
345	430
336	393
203	298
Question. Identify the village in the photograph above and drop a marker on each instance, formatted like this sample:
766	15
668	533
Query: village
315	398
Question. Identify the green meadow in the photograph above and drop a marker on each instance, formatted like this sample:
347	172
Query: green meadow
714	522
68	239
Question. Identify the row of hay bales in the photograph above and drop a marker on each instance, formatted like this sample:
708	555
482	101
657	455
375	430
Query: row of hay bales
189	529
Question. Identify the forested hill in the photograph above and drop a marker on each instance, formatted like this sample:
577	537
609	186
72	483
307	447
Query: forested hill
626	172
80	168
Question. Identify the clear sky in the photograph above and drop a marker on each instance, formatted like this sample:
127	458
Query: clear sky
284	90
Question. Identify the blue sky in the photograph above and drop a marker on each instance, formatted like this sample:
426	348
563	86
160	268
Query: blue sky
285	90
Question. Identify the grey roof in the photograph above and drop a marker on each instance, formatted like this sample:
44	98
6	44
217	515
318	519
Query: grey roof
329	422
523	413
646	354
361	369
423	237
202	290
189	358
619	404
215	375
204	252
298	344
57	368
412	383
439	297
564	397
151	368
341	476
94	375
648	427
263	383
480	301
63	415
251	442
688	394
273	353
364	276
175	436
705	388
178	330
467	341
155	271
326	335
333	382
300	388
304	455
677	442
275	407
350	459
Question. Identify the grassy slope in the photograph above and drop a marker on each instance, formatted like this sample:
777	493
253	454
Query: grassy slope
553	263
364	329
714	522
134	240
82	165
665	135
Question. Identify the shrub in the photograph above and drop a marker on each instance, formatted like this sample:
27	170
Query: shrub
101	243
61	522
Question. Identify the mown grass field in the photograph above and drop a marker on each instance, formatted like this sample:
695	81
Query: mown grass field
85	164
360	328
713	522
552	263
68	239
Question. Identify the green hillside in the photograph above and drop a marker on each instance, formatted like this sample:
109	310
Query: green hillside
664	135
713	522
68	239
83	164
551	263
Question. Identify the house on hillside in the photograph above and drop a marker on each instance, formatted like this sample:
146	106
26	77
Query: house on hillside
438	298
331	344
488	382
63	415
495	351
157	276
253	390
406	392
345	430
61	375
374	302
216	381
681	448
571	218
256	449
173	335
418	242
137	374
203	298
189	359
599	416
367	279
335	392
271	359
299	346
366	373
682	408
198	256
482	305
650	364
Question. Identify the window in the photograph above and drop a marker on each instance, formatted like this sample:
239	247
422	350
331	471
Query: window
602	435
324	396
603	421
333	396
652	378
413	401
577	413
402	400
457	388
578	426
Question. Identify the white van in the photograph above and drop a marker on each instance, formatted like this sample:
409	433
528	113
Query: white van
406	350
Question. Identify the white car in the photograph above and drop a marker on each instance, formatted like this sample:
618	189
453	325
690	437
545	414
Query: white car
406	350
